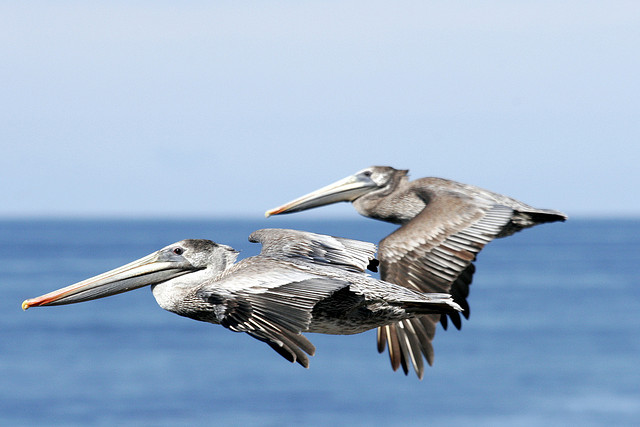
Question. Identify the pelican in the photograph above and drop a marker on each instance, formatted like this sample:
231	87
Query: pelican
300	282
444	224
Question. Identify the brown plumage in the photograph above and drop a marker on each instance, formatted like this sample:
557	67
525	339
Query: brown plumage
444	224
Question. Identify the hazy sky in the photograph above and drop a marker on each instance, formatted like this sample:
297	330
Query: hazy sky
212	108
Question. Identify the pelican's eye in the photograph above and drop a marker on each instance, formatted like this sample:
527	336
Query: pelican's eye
367	173
178	251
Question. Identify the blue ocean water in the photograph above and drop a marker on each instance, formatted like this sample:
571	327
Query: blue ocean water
553	339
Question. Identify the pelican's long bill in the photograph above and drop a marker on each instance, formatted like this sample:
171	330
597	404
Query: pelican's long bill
344	190
152	269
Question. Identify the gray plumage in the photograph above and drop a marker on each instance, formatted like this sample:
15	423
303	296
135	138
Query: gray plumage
444	224
300	282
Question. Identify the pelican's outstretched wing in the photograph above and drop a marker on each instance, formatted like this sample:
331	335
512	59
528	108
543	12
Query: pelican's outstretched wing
276	315
271	296
352	255
434	253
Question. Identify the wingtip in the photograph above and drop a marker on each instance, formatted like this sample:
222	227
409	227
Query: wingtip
456	306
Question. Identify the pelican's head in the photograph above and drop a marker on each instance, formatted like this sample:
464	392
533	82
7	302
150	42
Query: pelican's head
181	258
378	179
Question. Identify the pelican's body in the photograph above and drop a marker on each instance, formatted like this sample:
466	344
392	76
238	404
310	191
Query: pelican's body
444	224
300	282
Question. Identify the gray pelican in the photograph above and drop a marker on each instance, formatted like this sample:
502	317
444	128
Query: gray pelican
444	224
300	282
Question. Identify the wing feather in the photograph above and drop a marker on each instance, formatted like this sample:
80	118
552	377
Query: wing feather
276	315
434	252
348	254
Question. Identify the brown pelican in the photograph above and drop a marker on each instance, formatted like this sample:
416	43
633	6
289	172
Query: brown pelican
444	224
300	282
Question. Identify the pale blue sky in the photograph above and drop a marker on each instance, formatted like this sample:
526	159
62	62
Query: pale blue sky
206	109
